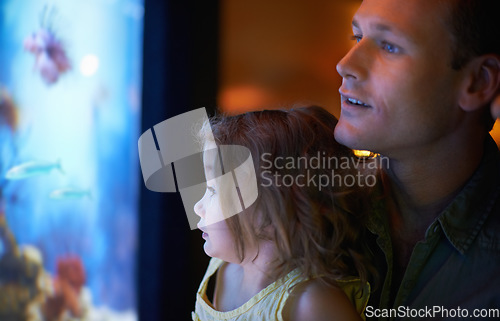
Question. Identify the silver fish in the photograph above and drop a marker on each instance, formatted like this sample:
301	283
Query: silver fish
69	193
33	168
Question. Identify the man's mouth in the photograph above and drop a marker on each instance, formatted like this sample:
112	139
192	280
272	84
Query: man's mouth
353	101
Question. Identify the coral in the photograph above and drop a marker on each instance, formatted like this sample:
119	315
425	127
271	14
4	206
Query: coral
19	277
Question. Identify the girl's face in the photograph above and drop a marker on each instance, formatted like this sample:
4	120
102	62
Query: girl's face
219	241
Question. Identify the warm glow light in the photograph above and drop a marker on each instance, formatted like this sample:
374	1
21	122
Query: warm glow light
89	65
362	153
495	132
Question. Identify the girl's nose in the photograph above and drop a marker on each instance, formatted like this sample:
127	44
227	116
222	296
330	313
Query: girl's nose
198	208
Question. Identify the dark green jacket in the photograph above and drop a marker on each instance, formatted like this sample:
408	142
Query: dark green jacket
456	268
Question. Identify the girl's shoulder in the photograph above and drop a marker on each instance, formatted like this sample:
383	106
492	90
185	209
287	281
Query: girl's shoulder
315	300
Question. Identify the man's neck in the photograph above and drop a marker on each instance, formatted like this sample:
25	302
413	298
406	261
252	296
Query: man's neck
424	182
421	187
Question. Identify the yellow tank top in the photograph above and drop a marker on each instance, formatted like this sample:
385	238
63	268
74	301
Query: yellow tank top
268	304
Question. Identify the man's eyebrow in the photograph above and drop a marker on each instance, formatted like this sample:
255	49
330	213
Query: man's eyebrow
385	28
378	26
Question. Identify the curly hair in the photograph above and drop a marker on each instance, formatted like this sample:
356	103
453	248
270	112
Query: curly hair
316	229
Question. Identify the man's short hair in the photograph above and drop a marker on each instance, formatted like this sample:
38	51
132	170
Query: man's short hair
475	29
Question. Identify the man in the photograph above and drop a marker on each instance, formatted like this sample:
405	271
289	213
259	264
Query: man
495	108
417	87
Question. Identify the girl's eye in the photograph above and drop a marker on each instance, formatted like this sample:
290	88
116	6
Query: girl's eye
357	38
211	190
390	48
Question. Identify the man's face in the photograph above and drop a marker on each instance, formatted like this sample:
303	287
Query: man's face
400	71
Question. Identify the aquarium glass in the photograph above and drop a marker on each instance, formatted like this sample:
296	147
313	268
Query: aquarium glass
70	93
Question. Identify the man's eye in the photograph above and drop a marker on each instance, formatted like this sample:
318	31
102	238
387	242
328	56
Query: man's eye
390	48
357	38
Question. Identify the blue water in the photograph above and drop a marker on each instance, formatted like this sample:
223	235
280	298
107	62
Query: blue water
89	121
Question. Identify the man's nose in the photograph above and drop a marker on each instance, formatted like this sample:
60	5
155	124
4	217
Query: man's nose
353	65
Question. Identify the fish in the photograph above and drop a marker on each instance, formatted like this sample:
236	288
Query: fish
51	59
69	193
32	168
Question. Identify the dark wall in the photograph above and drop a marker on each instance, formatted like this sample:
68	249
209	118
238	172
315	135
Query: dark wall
179	74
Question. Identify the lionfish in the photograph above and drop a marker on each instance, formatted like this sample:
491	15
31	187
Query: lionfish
51	59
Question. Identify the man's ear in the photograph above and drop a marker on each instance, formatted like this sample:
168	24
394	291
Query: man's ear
495	107
482	82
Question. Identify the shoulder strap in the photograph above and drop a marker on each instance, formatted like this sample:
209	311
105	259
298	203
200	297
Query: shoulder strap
213	266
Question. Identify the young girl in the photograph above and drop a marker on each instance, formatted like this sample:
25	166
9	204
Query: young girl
297	252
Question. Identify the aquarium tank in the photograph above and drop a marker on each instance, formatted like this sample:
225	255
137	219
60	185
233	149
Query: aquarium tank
70	106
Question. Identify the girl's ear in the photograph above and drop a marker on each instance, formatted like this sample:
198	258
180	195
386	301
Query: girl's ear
482	82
